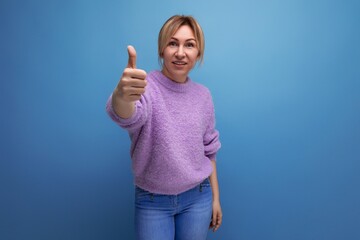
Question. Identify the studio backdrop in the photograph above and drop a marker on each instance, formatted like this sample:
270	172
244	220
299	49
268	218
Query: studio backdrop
285	80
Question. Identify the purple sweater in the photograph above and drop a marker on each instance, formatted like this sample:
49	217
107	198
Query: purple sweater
173	135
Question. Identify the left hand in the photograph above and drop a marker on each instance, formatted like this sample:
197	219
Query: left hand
216	216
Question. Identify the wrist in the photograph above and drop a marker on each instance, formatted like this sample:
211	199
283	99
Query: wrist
116	95
216	199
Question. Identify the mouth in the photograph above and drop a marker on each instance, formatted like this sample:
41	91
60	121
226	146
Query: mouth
179	63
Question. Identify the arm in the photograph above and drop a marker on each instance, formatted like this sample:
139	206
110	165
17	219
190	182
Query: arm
217	213
122	108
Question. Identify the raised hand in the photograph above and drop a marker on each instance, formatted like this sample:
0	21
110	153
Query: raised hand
130	87
132	82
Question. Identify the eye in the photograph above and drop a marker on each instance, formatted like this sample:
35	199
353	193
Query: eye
190	45
172	44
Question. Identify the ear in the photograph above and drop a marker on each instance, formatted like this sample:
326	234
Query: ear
161	54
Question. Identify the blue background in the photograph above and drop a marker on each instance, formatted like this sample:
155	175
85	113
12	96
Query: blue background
285	79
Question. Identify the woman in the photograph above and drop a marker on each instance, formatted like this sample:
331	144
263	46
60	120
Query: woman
171	123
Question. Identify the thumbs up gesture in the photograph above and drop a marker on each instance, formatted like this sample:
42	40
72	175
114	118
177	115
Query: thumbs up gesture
132	82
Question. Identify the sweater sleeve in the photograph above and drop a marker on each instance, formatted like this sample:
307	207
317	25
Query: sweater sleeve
211	137
136	121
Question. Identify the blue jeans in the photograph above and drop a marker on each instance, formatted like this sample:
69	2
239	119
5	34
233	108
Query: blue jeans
185	216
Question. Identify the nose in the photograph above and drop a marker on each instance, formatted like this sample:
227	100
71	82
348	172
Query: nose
180	53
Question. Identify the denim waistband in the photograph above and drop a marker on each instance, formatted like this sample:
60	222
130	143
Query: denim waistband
205	182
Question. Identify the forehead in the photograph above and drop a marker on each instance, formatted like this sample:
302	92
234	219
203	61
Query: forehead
184	33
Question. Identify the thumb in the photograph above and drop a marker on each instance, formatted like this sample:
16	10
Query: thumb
132	57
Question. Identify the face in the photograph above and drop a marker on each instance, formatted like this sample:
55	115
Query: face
180	55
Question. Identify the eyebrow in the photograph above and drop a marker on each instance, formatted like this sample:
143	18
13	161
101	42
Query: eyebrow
190	39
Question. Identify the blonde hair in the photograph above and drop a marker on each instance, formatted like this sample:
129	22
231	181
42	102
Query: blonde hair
172	25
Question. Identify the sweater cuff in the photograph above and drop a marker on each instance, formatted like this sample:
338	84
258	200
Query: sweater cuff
212	157
117	118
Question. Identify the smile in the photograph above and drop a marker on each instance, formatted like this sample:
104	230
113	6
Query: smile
179	63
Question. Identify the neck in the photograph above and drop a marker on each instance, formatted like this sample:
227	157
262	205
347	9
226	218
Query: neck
177	79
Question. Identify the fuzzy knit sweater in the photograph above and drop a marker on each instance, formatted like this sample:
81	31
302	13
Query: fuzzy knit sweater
173	135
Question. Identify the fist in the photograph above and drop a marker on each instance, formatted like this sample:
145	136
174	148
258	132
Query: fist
132	82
